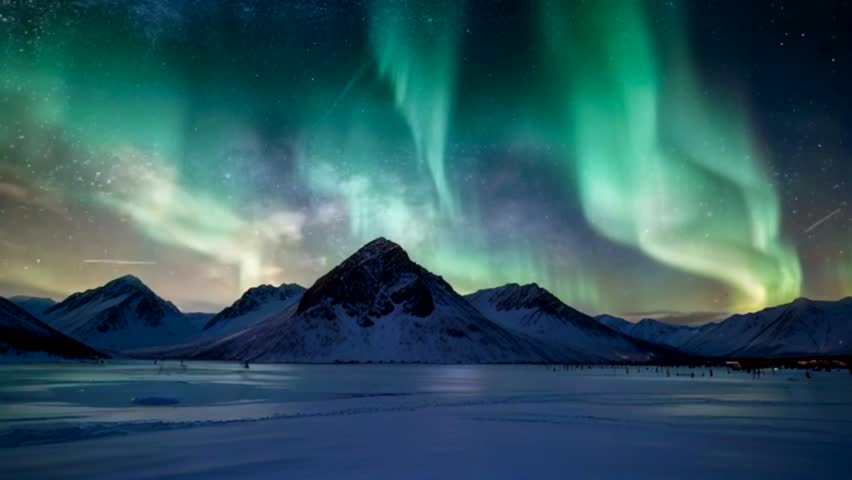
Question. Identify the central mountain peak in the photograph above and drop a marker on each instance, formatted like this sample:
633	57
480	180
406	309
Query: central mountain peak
379	250
375	281
378	305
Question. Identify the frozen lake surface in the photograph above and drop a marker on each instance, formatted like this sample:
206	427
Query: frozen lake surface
138	420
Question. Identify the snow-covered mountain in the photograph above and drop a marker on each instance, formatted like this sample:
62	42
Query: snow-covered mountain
35	306
255	305
803	327
654	331
120	315
378	305
615	323
567	334
198	319
22	334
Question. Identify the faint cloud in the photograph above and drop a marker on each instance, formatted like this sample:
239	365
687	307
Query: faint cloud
150	194
33	198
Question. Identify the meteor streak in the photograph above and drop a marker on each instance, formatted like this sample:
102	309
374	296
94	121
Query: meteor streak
111	261
822	220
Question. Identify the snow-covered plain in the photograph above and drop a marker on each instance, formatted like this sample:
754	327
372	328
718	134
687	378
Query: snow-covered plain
138	420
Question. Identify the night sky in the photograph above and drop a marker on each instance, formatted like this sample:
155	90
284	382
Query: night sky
632	157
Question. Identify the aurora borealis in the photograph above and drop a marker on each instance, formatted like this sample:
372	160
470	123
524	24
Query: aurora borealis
630	156
642	148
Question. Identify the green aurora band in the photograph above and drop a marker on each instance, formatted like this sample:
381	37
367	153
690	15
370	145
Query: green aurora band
415	46
659	168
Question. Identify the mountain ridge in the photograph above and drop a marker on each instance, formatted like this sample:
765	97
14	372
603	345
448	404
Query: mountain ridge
803	327
121	314
379	305
22	333
253	304
568	334
35	306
